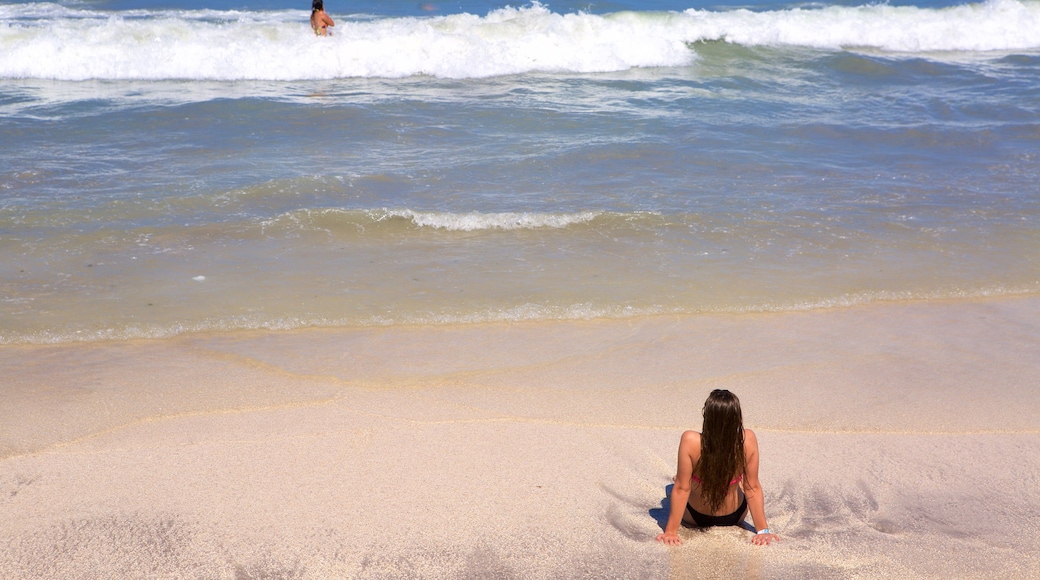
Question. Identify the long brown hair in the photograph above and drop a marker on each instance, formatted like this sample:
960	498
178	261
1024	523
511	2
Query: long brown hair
722	446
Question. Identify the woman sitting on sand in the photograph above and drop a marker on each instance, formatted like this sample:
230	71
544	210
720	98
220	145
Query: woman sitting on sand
720	467
319	20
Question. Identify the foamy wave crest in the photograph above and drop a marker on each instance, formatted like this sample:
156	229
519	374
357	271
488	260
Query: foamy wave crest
53	42
348	222
475	221
66	44
996	25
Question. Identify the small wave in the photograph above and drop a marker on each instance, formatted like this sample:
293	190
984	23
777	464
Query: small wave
475	221
333	220
44	41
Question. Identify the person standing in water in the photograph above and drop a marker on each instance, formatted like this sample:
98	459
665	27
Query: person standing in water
716	481
319	20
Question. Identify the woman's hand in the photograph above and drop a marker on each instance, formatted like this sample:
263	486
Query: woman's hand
670	538
764	539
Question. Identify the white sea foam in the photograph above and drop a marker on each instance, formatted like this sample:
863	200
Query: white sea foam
474	221
334	218
996	25
53	42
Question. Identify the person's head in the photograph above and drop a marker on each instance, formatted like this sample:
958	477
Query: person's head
722	446
723	420
317	5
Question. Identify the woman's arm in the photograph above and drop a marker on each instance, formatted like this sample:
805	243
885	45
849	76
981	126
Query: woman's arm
689	444
753	489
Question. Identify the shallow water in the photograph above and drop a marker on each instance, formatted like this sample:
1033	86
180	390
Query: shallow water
170	168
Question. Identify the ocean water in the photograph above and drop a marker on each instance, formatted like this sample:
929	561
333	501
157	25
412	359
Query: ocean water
172	166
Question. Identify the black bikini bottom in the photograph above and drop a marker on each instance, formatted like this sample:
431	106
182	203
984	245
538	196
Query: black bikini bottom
706	521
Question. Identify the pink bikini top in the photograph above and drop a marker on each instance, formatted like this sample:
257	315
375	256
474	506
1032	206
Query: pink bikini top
735	481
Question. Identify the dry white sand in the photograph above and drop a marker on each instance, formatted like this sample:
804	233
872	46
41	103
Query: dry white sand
898	440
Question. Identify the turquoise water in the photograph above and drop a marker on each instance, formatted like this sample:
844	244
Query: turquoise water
167	167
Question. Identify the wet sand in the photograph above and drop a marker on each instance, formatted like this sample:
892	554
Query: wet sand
898	440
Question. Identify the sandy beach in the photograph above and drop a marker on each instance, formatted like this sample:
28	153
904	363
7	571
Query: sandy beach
898	440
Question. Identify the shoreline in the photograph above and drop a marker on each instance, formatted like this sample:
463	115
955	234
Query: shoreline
519	315
896	441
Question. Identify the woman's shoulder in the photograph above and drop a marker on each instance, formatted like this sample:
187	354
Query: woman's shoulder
750	440
691	438
690	444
